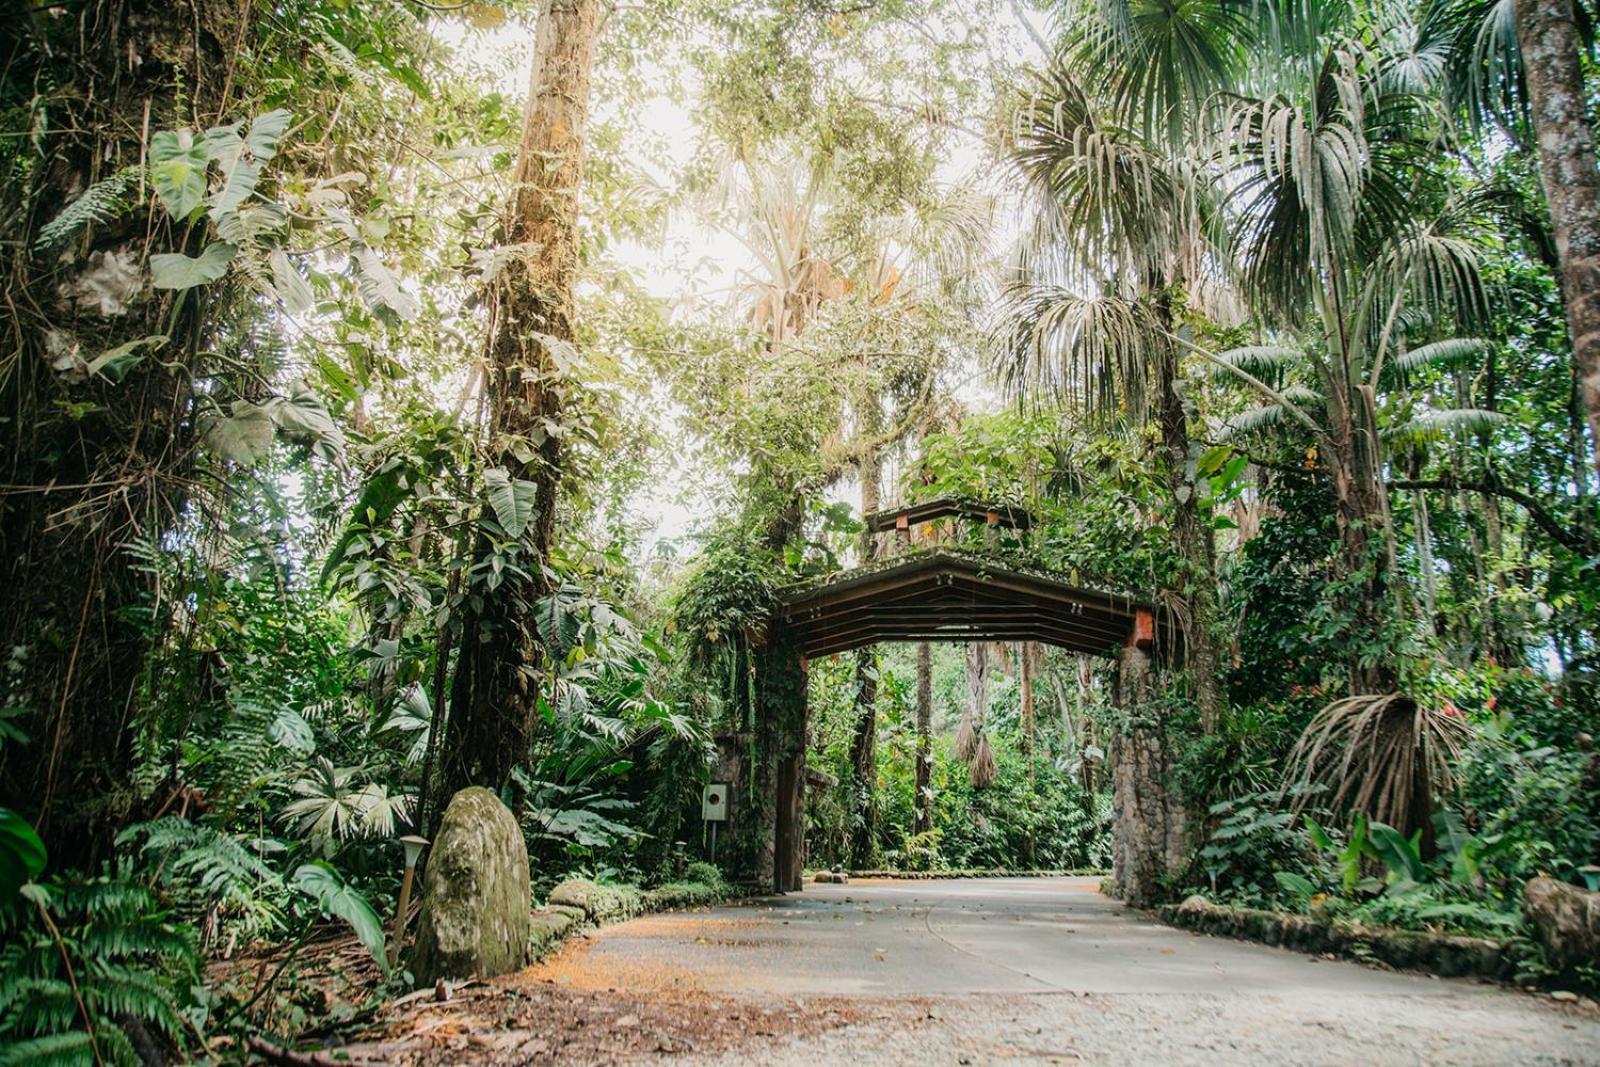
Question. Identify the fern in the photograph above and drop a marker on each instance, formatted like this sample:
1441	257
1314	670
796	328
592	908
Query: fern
102	201
71	1049
209	872
128	961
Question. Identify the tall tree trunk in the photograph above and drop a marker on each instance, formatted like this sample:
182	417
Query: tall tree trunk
1193	537
1028	652
864	745
977	705
922	801
1547	33
495	691
89	467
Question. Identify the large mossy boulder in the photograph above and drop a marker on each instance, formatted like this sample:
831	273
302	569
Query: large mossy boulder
477	900
1568	921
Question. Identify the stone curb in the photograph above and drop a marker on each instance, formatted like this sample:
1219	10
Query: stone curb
984	872
578	904
1447	955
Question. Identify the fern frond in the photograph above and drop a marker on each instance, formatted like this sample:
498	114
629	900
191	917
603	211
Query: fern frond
38	1005
72	1049
112	990
101	202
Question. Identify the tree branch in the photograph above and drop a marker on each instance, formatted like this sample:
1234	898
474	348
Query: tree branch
1579	542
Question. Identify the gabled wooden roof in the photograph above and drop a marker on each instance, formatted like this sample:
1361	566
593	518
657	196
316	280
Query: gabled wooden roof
946	595
979	511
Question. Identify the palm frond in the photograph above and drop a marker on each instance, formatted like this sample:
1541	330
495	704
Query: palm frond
1091	351
1448	422
1383	756
1160	62
1264	361
1454	352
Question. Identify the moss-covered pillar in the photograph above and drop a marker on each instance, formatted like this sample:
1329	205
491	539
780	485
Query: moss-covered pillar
1147	821
780	756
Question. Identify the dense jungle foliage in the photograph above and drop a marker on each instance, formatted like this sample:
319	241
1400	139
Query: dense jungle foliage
375	425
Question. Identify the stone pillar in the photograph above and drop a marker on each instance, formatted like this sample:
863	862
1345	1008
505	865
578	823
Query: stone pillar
1147	821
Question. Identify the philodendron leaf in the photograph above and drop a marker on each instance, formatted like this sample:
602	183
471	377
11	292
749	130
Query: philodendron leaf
238	183
303	417
379	289
178	171
512	500
292	289
22	854
265	133
243	437
324	885
115	363
174	270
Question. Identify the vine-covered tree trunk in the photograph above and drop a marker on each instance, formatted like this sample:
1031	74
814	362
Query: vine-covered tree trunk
922	800
1028	653
90	466
1367	557
495	691
1198	582
971	727
1547	33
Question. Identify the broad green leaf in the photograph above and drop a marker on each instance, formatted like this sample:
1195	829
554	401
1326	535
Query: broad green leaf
22	854
1297	886
513	500
222	144
379	289
238	183
1398	854
178	171
251	221
242	437
1212	459
292	289
303	416
115	363
265	133
324	885
174	270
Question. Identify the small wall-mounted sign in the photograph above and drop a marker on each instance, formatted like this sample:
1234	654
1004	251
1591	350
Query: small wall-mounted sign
714	802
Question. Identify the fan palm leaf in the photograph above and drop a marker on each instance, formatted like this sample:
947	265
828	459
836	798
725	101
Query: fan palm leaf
1386	757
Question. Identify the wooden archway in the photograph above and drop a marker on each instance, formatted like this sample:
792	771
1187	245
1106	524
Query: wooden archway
947	594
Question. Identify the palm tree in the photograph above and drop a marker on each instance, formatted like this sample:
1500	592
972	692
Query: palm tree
1329	198
1123	224
1304	127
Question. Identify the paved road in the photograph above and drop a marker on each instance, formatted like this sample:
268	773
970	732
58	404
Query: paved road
1050	971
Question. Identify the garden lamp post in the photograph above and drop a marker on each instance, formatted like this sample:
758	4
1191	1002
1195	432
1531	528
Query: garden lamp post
413	846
